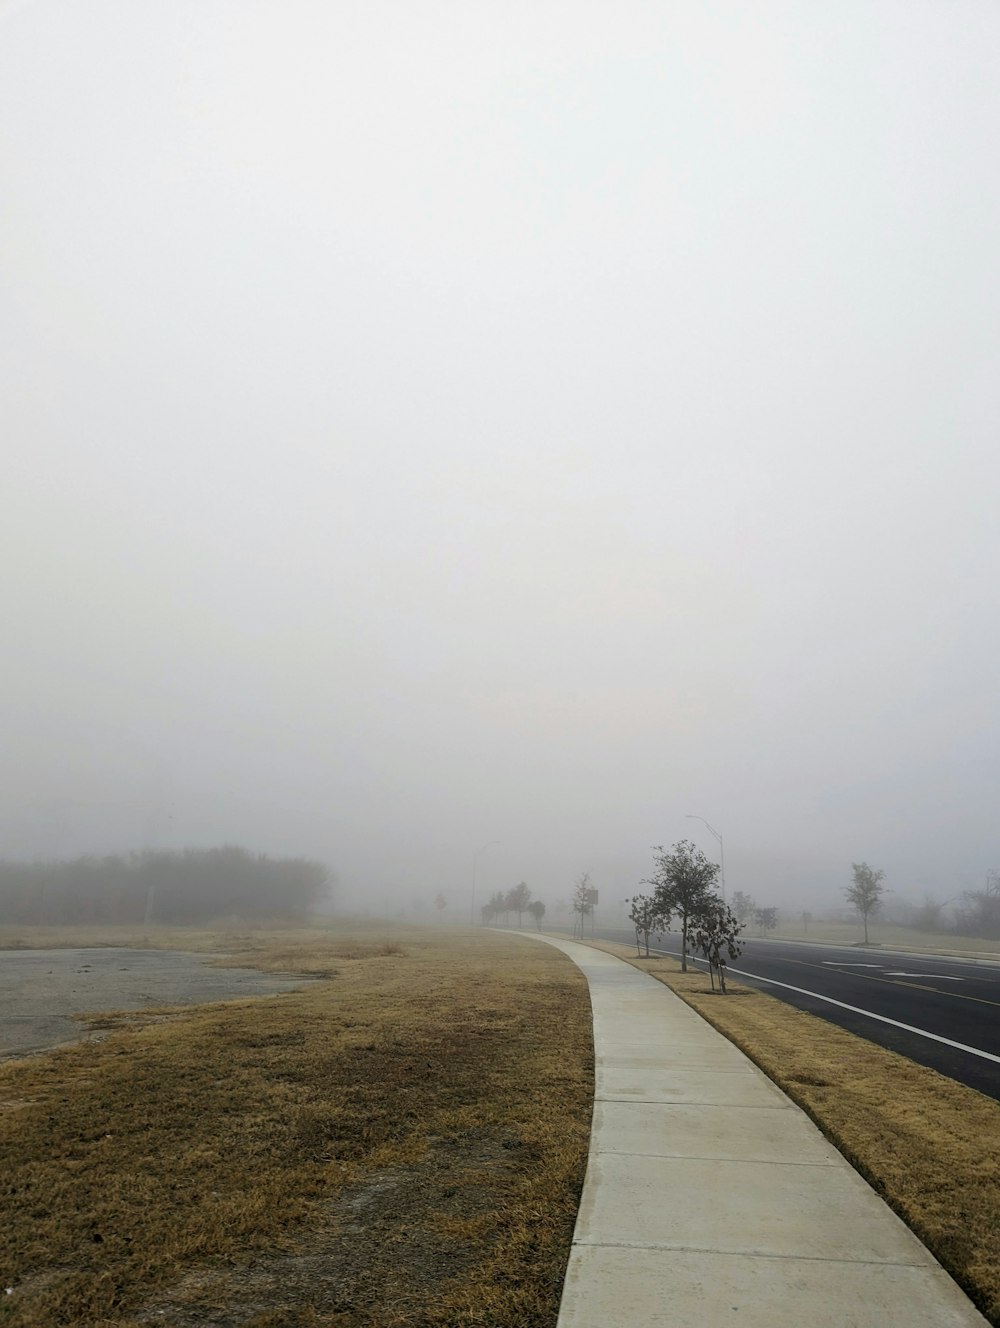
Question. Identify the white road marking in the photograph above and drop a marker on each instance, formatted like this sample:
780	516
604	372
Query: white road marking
869	1014
883	1019
835	963
938	977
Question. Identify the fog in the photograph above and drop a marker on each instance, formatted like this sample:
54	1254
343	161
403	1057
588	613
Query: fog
428	425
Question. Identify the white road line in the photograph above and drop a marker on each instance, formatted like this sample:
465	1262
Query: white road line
870	1014
836	963
938	977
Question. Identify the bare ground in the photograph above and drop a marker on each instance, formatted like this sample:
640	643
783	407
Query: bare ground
47	995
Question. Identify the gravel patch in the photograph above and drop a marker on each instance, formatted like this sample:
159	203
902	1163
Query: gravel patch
45	995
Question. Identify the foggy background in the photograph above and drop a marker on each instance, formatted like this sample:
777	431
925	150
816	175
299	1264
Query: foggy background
431	424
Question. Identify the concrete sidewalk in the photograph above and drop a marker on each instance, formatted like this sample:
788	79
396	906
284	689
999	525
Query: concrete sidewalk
710	1198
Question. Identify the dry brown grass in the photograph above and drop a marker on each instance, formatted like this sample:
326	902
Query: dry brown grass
227	935
882	934
403	1143
146	938
928	1145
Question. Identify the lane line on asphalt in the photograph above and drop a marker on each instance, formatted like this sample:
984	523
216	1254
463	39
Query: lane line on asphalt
886	981
931	977
891	981
854	1009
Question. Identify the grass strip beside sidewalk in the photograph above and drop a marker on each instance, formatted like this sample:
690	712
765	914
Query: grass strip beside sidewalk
928	1145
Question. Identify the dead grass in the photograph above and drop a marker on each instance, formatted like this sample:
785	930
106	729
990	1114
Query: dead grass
928	1145
227	935
401	1144
144	938
882	934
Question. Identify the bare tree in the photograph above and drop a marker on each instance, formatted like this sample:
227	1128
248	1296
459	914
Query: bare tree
865	891
928	916
766	919
980	913
583	902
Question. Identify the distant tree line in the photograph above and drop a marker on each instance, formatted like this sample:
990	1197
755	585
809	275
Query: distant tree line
979	912
190	886
747	910
515	900
974	912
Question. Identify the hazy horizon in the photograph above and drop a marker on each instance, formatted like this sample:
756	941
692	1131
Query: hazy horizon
435	425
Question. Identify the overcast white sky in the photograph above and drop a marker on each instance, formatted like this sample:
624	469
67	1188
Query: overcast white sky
427	424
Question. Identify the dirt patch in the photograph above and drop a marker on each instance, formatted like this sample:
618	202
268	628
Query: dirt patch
46	996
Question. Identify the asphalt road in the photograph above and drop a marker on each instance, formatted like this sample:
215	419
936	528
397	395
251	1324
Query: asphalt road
940	1012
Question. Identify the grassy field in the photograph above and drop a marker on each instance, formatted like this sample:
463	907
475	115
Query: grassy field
928	1145
879	933
402	1142
232	938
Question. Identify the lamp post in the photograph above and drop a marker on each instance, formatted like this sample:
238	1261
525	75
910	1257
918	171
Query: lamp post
722	852
475	863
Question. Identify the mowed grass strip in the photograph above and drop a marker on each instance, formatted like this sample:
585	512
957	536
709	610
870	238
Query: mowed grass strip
401	1143
928	1145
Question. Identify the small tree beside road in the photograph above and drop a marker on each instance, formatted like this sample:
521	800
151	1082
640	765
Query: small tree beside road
715	932
743	905
766	919
683	881
537	910
865	891
518	899
583	902
646	918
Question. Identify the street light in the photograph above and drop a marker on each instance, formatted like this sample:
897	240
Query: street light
722	852
475	863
